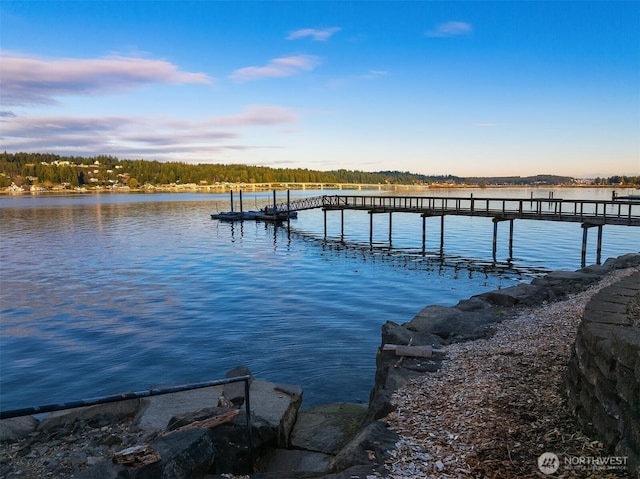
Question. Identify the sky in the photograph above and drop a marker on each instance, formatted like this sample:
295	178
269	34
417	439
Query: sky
467	88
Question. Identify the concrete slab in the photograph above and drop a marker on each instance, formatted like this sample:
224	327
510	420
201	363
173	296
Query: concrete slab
278	404
160	409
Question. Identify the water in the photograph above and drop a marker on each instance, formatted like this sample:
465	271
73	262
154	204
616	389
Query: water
108	293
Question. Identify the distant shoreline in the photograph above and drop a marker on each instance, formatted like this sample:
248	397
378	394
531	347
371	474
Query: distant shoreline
226	187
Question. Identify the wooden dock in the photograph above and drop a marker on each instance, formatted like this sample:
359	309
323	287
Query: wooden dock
624	211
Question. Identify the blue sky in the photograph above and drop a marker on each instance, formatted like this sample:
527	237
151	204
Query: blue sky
436	87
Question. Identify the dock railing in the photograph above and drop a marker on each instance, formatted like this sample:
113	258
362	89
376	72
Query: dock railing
584	211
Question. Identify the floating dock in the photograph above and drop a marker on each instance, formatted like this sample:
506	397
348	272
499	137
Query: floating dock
275	214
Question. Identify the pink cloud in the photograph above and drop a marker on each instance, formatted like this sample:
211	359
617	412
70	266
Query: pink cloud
258	115
30	80
140	137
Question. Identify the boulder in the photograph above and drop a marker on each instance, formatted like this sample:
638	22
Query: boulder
328	428
16	428
368	448
234	392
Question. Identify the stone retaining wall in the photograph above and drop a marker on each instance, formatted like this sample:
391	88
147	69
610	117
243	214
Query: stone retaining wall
603	376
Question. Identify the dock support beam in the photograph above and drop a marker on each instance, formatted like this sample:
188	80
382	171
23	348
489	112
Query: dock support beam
599	247
495	236
342	225
390	226
325	223
424	233
370	228
511	239
583	257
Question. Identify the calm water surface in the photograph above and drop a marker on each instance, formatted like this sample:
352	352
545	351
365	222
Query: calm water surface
107	293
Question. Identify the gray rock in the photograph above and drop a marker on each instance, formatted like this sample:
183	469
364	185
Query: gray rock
453	324
520	295
328	428
234	392
16	428
375	438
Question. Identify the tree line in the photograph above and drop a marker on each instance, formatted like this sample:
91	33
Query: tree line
47	170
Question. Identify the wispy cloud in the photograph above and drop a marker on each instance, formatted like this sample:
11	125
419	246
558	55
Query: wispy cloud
141	137
451	29
374	74
487	125
317	35
29	80
258	115
276	68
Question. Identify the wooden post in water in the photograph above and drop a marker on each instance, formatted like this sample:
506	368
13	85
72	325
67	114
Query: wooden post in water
325	223
585	228
288	212
599	247
442	234
231	200
511	239
342	224
495	237
390	226
240	200
370	228
424	233
583	256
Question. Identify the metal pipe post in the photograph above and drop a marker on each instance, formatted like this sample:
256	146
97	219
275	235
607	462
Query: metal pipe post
248	412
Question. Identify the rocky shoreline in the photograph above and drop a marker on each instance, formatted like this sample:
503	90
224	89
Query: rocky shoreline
398	435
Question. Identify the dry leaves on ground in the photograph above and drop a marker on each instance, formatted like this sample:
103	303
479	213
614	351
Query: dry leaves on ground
497	404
